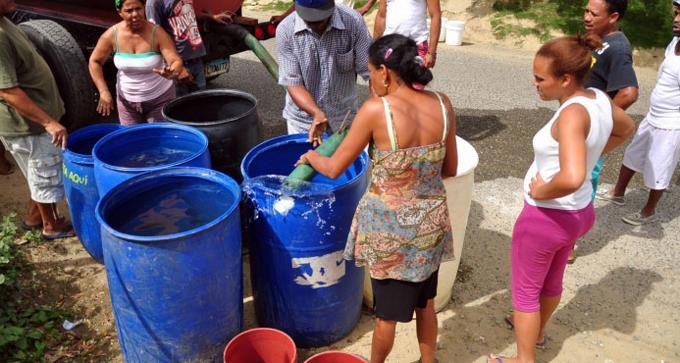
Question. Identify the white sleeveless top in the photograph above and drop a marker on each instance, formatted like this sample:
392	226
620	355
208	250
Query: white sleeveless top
136	80
408	18
547	157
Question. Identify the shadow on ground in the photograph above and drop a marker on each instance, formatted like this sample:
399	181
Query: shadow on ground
481	299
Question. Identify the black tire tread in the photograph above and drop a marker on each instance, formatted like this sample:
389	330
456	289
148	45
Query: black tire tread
69	67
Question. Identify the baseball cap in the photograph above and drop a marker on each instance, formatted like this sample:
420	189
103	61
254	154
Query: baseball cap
315	10
676	2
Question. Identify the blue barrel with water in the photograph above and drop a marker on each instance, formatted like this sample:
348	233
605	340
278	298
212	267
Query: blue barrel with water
301	283
138	149
80	187
172	247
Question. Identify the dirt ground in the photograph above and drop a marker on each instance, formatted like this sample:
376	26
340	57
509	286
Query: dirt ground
612	312
621	318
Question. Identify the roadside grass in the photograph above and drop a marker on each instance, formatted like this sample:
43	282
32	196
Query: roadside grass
647	23
28	330
277	6
281	6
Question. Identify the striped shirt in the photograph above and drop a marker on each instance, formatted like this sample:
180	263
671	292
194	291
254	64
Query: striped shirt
326	65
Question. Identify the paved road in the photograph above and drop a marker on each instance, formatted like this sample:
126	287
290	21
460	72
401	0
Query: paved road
620	302
497	107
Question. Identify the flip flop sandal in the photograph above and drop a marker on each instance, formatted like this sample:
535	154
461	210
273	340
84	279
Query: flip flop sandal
29	227
59	235
544	344
540	345
497	358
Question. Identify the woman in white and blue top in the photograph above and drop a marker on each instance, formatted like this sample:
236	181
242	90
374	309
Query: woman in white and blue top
147	64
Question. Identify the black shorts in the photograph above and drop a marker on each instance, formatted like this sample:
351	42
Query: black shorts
396	300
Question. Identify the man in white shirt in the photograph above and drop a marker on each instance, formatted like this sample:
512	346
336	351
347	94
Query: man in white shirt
655	149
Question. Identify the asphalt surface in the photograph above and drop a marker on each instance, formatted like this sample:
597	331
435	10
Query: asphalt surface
497	108
620	301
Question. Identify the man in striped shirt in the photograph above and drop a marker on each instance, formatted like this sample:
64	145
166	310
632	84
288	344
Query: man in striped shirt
322	47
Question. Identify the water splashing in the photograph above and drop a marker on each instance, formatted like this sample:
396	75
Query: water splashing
306	198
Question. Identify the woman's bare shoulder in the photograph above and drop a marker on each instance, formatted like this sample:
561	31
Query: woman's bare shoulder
372	106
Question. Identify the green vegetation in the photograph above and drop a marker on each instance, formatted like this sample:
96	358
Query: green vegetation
647	23
281	6
27	330
278	6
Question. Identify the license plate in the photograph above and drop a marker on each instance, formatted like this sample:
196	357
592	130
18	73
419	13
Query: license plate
216	67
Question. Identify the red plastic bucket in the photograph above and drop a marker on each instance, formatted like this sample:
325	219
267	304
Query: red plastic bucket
261	345
336	357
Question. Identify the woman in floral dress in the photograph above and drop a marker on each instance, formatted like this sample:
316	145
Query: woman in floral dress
401	229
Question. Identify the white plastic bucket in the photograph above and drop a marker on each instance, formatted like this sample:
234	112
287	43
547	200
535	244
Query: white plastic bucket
442	28
458	197
454	32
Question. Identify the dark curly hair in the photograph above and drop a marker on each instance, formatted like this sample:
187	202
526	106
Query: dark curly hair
401	58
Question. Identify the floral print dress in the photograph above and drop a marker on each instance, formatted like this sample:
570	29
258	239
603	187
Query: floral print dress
401	228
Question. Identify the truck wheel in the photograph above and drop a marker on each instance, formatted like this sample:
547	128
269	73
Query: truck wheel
68	65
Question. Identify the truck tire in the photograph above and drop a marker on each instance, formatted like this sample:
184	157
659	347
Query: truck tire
69	67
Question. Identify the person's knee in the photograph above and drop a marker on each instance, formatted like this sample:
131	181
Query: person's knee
427	310
526	303
383	323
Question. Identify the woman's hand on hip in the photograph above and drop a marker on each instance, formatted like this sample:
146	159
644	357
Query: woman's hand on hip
535	185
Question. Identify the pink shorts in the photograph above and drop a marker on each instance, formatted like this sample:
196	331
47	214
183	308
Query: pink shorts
541	242
132	113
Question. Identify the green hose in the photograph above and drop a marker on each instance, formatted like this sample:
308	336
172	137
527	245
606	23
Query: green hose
263	55
304	172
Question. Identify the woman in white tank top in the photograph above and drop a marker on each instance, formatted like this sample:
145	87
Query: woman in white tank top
409	18
558	208
147	62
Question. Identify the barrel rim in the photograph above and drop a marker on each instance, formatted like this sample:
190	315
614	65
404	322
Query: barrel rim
466	168
296	138
196	172
200	94
84	158
262	329
137	128
335	352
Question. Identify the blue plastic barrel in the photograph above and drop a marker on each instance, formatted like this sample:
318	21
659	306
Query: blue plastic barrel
301	283
80	186
138	149
172	247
